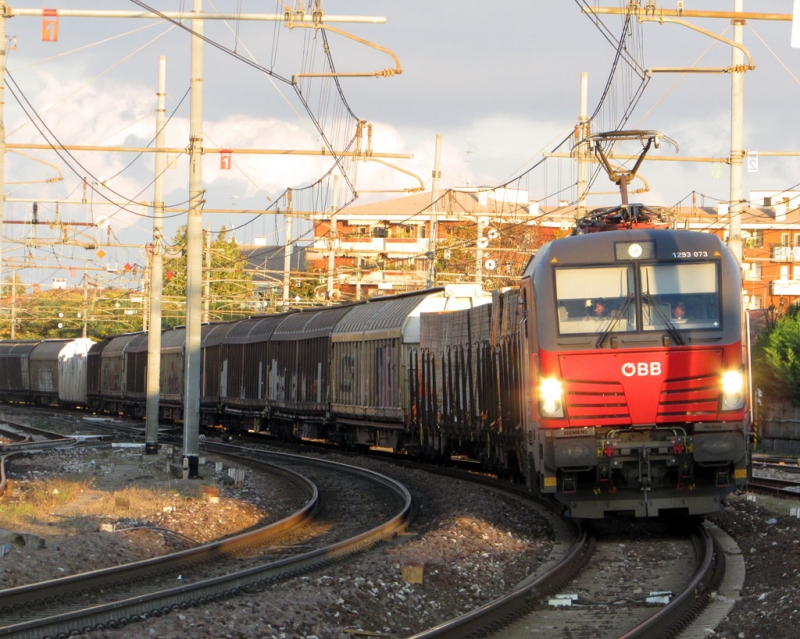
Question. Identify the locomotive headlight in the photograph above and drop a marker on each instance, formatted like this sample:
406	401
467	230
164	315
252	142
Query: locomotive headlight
732	390
550	398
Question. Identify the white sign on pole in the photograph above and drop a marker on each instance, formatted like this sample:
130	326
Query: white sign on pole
796	25
752	162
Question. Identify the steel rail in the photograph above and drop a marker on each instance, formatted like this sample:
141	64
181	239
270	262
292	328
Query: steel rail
28	446
488	620
775	486
134	609
709	570
36	594
483	621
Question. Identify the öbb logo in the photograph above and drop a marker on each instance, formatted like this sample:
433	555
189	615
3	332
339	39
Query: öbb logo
642	369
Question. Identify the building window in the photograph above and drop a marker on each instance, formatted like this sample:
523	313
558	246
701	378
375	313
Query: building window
784	276
405	231
784	239
751	271
753	239
796	272
752	302
797	239
356	231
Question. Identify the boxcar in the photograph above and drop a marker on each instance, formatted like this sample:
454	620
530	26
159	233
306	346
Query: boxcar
299	355
57	371
15	384
246	371
113	372
374	350
135	390
170	402
73	363
212	336
456	372
94	360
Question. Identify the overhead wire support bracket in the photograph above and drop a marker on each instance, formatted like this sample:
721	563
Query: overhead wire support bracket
738	69
652	13
290	20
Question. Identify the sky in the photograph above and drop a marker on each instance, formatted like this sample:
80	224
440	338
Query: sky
499	81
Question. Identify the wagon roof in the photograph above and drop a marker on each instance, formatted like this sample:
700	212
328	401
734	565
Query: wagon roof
213	334
17	348
398	316
117	345
48	349
138	344
310	324
384	317
97	348
173	339
254	329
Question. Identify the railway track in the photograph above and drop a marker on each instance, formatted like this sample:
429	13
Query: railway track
675	595
114	597
576	560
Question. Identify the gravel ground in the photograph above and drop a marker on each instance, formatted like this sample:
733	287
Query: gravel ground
769	538
472	545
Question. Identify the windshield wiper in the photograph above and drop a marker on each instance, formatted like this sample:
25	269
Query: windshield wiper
671	328
613	322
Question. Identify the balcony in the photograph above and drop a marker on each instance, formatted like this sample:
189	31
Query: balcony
785	287
393	247
786	253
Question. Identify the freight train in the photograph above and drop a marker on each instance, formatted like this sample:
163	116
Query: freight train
614	380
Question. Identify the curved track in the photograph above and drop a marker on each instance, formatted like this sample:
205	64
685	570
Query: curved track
587	568
52	609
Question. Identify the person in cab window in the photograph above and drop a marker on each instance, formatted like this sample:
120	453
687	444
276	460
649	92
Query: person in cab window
679	312
598	309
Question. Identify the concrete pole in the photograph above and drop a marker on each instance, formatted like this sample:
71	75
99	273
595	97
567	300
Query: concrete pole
207	278
14	308
333	235
582	150
194	258
146	297
287	257
85	298
481	227
437	176
737	136
156	270
3	13
358	279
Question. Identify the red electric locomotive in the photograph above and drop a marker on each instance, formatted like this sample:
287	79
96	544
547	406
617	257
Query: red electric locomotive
637	397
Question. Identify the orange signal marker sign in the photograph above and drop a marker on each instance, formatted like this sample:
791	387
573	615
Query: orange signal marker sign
50	25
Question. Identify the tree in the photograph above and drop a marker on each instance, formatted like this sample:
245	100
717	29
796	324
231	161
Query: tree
61	313
509	245
231	286
776	358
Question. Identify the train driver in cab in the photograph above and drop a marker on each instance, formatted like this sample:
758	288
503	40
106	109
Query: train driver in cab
598	309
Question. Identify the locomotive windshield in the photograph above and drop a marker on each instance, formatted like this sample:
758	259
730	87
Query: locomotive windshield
686	295
591	299
660	296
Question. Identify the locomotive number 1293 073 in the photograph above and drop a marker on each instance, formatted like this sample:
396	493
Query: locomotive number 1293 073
688	254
